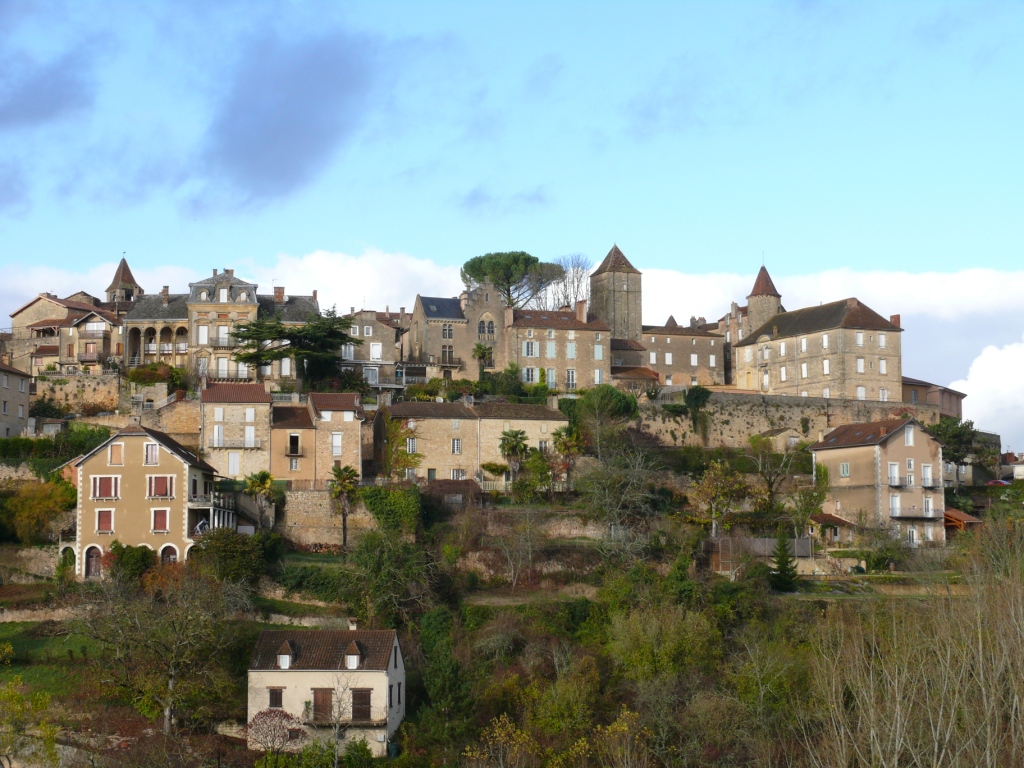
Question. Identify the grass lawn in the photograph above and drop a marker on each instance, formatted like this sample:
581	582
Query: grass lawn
267	605
51	664
308	558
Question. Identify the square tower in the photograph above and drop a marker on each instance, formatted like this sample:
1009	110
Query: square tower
616	296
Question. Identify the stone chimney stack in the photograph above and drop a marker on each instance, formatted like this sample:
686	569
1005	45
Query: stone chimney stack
279	294
463	300
164	296
581	310
353	623
215	273
229	272
314	294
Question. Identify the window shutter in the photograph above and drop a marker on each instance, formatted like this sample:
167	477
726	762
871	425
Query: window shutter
361	705
526	348
105	523
160	520
115	453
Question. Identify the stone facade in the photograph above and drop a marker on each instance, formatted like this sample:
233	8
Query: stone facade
568	350
311	517
14	395
684	355
379	355
616	296
949	401
236	428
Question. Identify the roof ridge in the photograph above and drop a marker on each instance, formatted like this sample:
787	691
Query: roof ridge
615	261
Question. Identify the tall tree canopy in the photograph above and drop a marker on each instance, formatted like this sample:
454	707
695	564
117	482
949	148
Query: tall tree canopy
314	346
517	276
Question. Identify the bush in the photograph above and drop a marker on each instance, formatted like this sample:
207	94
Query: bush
327	584
230	556
46	408
129	563
153	373
35	506
393	508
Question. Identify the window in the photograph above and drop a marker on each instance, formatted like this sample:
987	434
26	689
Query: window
6	384
824	341
668	380
204	334
782	347
668	358
161	487
202	295
529	333
234	462
782	373
293	465
410	473
5	406
894	505
218	414
276	697
490	327
803	370
335	443
844	469
529	349
223	294
859	338
747	355
654	358
447	331
693	359
391	696
598	376
826	366
160	520
862	393
410	445
116	454
803	344
241	296
376	351
599	351
399	688
739	334
883	366
21	411
542	446
908	435
529	375
881	341
883	394
764	380
570	378
286	366
458	474
570	350
481	328
860	365
361	705
323	705
551	378
825	393
368	330
250	414
711	360
104	521
728	337
456	446
21	382
928	506
766	353
350	416
355	330
106	486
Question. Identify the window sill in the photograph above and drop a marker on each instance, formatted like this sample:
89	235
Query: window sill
104	498
104	533
164	532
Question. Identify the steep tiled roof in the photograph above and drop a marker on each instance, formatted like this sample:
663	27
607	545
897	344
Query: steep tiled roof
336	401
11	369
961	517
615	261
236	393
826	518
47	349
868	433
848	313
628	344
438	308
634	372
56	322
152	307
763	285
490	410
295	309
324	649
430	410
681	330
123	277
290	417
559	320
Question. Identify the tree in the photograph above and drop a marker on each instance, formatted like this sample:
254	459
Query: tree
272	730
958	440
129	563
568	443
783	578
25	730
343	485
620	492
484	356
36	506
772	468
603	411
314	345
391	578
396	457
518	277
719	491
227	555
572	286
513	449
808	501
260	487
164	643
503	745
696	399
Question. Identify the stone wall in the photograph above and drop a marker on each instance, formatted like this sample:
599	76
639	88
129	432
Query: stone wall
180	420
735	417
309	518
39	561
77	392
18	473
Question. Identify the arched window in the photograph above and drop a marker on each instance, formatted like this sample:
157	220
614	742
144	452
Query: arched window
490	327
202	295
482	327
92	563
168	555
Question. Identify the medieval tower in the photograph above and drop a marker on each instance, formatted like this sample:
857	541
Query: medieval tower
764	301
615	295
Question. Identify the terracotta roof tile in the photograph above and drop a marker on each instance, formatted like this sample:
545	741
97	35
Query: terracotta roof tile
336	401
826	518
628	344
46	350
763	285
290	417
122	277
11	369
868	433
848	313
430	410
236	393
615	261
559	320
681	330
961	517
493	410
324	649
634	372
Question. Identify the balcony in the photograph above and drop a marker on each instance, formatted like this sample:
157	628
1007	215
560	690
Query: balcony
223	343
149	349
930	482
166	349
94	334
895	481
916	512
89	357
485	337
237	442
181	347
218	500
224	375
445	361
293	453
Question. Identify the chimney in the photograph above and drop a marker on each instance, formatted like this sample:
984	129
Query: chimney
351	310
581	310
353	623
279	294
229	272
510	316
881	431
164	298
402	315
463	299
314	294
215	273
387	309
895	320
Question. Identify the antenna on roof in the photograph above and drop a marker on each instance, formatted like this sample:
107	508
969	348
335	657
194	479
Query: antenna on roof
762	257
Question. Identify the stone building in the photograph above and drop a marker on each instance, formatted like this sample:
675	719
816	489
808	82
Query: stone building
236	428
337	421
885	474
949	401
379	357
683	356
14	390
142	488
843	349
567	350
763	302
616	296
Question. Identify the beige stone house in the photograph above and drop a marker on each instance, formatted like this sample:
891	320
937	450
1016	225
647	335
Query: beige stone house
379	357
949	401
142	488
886	474
337	440
841	350
684	356
763	302
14	391
455	439
567	350
292	436
337	684
235	428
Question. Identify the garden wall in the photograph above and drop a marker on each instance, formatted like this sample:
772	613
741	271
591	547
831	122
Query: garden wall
309	518
101	393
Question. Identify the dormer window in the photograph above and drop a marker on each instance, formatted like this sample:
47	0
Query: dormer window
353	656
241	296
284	661
224	294
285	655
202	295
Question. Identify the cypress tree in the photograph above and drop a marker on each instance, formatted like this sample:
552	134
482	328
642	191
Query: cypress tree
783	578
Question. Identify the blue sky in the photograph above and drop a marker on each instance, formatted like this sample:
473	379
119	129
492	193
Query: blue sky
870	137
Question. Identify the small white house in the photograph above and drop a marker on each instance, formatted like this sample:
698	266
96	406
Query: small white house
336	684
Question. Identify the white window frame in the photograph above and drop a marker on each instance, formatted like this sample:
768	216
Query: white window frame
653	358
336	443
826	366
250	415
599	351
149	486
668	358
883	366
824	341
96	522
844	469
146	447
694	362
152	520
115	487
456	446
803	370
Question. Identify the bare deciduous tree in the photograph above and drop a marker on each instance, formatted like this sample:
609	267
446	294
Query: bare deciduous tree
572	286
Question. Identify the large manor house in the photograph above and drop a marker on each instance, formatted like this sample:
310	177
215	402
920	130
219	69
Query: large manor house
841	350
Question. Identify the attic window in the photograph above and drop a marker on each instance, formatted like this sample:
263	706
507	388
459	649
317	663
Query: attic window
284	660
352	656
202	295
433	308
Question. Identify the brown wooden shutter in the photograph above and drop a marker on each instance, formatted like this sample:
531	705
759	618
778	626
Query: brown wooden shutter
116	455
276	698
361	705
105	487
159	486
105	520
160	520
322	705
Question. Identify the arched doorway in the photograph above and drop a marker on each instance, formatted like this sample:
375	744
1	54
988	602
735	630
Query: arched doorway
92	563
168	555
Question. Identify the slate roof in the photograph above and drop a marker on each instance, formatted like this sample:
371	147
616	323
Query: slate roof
848	313
868	433
295	309
336	401
430	410
323	649
634	372
438	308
559	320
290	417
152	307
628	344
490	410
763	285
236	393
122	277
674	329
615	261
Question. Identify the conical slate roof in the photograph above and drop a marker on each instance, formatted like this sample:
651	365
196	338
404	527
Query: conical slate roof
123	277
615	261
764	286
671	322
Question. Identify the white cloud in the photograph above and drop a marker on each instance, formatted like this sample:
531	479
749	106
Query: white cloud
995	384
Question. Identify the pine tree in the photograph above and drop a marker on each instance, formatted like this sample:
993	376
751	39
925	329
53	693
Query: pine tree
783	578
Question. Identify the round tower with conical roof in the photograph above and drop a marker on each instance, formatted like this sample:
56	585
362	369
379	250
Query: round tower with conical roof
616	295
764	301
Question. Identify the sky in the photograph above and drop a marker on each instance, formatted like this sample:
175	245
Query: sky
367	149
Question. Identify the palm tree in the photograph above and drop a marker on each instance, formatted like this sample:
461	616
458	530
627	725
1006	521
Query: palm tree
343	487
260	486
482	354
513	449
569	444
